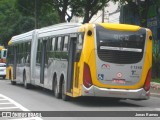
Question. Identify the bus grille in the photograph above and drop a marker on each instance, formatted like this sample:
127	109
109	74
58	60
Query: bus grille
120	57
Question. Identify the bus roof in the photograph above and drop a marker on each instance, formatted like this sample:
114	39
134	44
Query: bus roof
120	27
67	28
21	38
45	32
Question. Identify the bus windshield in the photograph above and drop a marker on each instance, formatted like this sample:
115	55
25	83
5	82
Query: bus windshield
120	40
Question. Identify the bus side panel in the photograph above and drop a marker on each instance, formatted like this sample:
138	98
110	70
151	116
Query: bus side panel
148	58
86	55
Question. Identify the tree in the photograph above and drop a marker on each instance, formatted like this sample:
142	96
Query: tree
40	10
138	6
8	17
85	8
91	7
16	18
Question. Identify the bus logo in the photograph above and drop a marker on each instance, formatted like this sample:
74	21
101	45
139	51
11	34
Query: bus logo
105	66
119	75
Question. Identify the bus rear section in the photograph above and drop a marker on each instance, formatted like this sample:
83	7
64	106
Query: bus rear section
119	65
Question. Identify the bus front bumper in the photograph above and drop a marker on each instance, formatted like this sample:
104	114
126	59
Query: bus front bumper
138	94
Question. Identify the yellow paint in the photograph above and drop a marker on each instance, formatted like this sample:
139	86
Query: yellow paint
87	49
1	47
88	56
147	66
120	27
8	70
10	42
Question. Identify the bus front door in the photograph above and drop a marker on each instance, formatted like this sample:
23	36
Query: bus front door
71	58
15	63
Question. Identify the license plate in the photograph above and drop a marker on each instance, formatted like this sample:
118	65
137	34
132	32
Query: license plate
120	81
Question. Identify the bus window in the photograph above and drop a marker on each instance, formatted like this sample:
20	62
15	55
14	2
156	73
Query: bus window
53	44
29	46
49	44
59	43
65	43
39	51
80	41
62	44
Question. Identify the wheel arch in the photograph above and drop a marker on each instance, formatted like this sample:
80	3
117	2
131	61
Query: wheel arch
53	79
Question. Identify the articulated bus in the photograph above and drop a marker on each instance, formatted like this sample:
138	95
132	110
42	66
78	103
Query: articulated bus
73	60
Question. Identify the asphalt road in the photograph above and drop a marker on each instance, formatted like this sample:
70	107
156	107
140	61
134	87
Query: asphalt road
37	99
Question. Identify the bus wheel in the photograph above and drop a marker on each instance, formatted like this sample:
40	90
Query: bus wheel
64	96
13	82
26	85
56	91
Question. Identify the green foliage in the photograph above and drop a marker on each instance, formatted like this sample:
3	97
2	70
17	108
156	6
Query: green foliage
157	80
42	9
91	7
18	16
156	58
85	8
8	17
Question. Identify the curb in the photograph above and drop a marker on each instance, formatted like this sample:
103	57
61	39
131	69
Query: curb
155	95
155	89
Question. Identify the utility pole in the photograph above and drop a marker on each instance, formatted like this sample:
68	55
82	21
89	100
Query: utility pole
107	16
36	20
103	15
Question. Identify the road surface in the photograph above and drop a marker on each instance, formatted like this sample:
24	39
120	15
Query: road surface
37	99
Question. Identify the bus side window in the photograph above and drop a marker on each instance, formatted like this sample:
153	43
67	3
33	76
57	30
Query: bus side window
53	44
65	48
18	50
49	44
56	44
39	52
29	47
80	42
62	43
59	43
79	47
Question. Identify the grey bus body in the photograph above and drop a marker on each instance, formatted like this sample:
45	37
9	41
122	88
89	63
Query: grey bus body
43	63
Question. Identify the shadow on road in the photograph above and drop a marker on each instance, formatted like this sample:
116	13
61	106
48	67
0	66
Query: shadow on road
101	102
85	101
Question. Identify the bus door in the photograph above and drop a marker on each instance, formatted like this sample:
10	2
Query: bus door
42	64
71	57
15	62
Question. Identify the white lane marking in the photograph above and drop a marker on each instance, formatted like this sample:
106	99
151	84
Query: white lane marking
15	103
18	106
32	118
8	108
2	99
5	103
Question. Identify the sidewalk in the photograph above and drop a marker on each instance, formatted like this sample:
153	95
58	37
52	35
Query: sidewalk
155	89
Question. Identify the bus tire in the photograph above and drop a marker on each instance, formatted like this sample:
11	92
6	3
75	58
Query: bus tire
64	96
26	85
13	82
55	87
